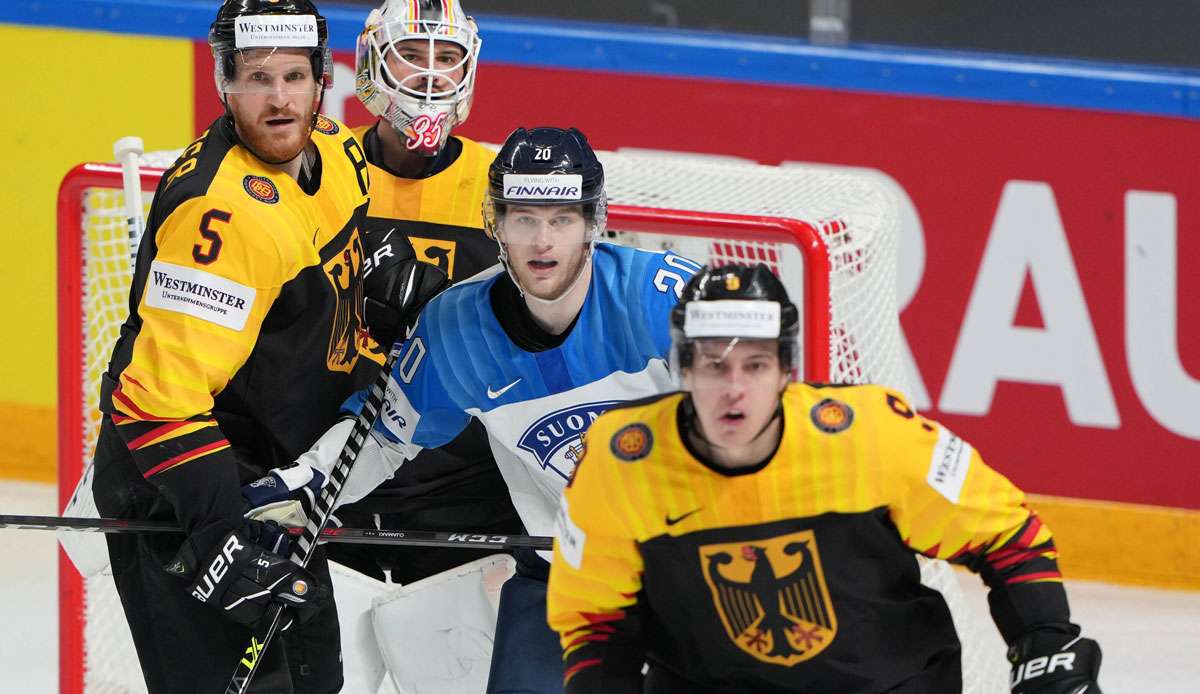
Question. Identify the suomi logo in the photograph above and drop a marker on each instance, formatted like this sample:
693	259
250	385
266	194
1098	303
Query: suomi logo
551	438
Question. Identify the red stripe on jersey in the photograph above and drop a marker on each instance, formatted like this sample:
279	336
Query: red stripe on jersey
134	409
186	457
154	434
135	382
1034	525
574	669
1040	576
1006	558
586	638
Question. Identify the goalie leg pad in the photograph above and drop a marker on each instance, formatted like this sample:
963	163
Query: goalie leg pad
436	634
87	551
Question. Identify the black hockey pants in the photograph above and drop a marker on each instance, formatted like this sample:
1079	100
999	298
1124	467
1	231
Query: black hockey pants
184	646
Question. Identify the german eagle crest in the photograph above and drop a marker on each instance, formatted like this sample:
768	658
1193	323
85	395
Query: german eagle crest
771	596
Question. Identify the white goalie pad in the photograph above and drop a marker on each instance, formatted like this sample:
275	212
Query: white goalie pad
362	664
436	634
88	551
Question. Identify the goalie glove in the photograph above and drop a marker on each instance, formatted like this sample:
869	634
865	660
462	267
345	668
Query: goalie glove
396	286
1054	661
246	572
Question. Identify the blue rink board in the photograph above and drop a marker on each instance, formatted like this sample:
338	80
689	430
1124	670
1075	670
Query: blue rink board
698	54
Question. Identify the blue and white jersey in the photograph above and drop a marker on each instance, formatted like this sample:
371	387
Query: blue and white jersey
459	363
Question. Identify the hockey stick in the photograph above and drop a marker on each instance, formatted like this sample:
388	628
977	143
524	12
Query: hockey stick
127	150
323	507
353	536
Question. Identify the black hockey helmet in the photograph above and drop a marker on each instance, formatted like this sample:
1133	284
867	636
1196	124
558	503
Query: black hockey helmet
223	35
545	167
546	152
735	301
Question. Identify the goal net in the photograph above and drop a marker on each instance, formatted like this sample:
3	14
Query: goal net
831	236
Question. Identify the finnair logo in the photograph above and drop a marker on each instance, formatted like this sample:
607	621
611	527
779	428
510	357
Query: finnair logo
552	437
543	187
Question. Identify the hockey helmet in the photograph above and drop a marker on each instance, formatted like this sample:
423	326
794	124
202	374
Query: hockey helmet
737	302
544	167
243	26
427	102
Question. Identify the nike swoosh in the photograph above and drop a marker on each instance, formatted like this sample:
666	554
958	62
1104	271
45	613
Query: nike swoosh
676	519
493	394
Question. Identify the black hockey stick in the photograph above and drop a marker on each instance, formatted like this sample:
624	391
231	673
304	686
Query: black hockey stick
323	506
354	536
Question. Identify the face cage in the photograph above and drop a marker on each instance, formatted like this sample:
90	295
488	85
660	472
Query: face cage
425	117
223	60
789	355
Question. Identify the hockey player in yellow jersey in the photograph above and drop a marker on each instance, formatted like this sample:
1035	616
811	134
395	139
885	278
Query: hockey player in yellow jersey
416	62
242	341
750	534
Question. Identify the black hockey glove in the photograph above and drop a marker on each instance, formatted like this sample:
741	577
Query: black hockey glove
1054	661
396	286
246	572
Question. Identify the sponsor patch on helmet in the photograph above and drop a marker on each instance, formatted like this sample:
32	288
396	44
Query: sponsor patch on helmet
275	31
543	186
632	442
325	125
731	318
831	416
261	188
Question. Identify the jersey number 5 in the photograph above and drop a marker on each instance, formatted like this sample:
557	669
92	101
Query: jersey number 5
203	255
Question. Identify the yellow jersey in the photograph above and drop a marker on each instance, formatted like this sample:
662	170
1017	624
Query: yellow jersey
244	331
441	214
796	574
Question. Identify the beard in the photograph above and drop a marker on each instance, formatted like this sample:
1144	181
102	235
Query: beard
274	144
560	284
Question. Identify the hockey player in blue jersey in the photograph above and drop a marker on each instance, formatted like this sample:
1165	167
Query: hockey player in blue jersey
536	348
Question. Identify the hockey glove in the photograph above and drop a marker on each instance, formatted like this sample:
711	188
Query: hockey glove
1054	661
396	286
285	495
246	572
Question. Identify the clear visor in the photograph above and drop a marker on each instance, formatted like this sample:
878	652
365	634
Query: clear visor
544	223
712	361
268	71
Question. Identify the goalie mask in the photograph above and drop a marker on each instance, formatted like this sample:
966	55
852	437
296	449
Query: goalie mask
415	65
731	304
247	37
545	189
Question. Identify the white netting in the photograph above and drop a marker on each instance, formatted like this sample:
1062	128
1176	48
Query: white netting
858	221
